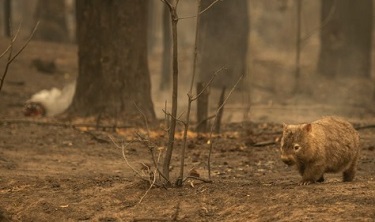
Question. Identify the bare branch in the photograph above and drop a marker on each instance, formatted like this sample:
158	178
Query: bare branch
213	125
144	119
151	147
198	178
13	39
200	12
149	188
323	24
208	7
209	83
10	58
27	41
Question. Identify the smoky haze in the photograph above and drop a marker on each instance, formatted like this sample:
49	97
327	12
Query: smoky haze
267	91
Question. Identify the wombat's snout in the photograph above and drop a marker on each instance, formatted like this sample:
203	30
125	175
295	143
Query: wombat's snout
287	160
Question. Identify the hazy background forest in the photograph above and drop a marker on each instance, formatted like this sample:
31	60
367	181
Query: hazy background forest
268	91
95	66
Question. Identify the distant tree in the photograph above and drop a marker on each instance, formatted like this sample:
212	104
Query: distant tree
113	70
223	40
167	43
345	38
7	17
53	26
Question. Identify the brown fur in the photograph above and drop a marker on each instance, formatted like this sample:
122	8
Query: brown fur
328	145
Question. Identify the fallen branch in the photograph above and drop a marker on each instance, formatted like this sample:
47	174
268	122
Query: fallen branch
264	143
198	178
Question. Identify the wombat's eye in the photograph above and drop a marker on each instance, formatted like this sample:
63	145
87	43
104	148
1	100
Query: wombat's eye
296	147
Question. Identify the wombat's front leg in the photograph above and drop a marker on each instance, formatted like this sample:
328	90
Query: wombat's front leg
312	174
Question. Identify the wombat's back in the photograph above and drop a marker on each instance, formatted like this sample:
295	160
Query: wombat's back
338	140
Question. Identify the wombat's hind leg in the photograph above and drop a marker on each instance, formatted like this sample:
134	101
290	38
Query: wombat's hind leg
349	174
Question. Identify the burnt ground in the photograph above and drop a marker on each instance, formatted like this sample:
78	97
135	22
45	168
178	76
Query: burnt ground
60	173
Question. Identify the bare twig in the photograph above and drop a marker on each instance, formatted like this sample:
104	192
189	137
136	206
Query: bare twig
149	188
146	142
144	119
177	119
200	12
209	82
213	125
151	147
13	39
27	42
12	58
323	24
198	178
208	7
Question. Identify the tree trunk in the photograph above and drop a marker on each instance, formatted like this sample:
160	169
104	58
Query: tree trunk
165	80
7	17
345	38
113	69
223	41
53	26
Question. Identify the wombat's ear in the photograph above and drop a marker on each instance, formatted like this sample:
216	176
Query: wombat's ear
307	127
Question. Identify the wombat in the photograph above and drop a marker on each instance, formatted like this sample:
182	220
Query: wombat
328	145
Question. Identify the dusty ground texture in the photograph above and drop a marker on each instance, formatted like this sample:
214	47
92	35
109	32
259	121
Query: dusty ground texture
56	173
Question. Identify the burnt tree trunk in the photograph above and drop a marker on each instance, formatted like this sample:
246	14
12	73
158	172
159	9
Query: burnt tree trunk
7	17
113	69
345	38
165	81
53	26
223	40
202	108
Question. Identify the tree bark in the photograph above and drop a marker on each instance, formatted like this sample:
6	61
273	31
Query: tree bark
345	38
165	81
53	26
223	40
202	109
7	17
113	69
